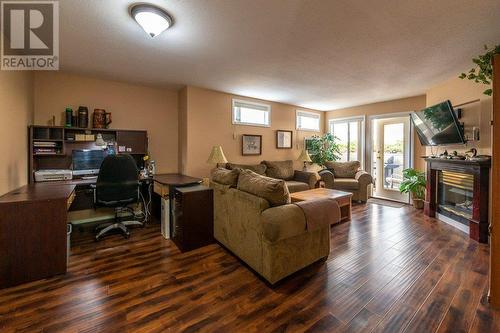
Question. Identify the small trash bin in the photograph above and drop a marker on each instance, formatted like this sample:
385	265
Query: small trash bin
68	243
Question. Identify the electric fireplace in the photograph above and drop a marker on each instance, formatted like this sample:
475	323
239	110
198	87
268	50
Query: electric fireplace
457	193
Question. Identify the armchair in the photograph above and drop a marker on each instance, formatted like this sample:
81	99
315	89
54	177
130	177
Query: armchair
346	176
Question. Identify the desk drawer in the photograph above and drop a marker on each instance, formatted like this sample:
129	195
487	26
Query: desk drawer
161	190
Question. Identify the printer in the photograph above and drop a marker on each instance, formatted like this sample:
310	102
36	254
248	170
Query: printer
49	175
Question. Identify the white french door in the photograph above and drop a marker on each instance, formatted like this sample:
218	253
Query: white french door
390	155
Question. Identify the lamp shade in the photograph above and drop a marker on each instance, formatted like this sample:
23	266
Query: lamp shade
304	156
217	156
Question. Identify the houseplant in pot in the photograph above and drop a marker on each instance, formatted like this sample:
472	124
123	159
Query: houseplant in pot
323	149
414	183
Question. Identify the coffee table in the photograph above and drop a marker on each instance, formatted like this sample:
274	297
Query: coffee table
344	199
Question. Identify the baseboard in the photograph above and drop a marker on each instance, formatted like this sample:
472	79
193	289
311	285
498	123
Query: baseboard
453	223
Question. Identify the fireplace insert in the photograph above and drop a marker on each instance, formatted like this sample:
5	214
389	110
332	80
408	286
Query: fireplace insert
455	195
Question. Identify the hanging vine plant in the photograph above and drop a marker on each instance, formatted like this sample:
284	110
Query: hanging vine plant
483	71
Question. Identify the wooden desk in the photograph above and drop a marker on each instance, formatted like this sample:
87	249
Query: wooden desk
164	182
344	199
33	232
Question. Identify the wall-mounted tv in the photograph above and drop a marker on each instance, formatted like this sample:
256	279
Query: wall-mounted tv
438	125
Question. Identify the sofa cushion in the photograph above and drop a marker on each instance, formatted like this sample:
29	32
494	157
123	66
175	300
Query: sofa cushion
344	169
294	186
345	184
226	177
279	169
273	190
257	168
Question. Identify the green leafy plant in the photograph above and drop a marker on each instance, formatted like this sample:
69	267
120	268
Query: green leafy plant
323	148
413	182
483	71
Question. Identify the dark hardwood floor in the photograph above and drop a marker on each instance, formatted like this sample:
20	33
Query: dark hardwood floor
390	270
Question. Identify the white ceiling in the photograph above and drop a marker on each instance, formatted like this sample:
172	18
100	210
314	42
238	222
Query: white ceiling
322	54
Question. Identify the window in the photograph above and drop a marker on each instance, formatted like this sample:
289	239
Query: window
251	113
308	121
349	133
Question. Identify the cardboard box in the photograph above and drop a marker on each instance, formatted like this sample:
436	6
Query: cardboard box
79	137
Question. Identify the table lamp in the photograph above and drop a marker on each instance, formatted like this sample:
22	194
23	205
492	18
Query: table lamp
304	157
216	156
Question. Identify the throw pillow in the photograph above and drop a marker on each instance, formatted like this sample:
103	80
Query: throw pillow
257	168
344	169
225	177
273	190
279	169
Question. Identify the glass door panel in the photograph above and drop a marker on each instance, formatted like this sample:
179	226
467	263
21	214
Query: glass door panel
391	155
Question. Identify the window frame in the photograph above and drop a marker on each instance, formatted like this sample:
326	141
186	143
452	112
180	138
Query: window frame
299	111
234	121
361	135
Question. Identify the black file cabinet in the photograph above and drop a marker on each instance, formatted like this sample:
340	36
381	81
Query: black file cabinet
192	222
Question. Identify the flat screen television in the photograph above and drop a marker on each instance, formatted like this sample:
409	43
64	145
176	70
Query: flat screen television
438	125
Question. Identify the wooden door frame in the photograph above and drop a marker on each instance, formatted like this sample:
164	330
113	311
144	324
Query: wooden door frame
495	190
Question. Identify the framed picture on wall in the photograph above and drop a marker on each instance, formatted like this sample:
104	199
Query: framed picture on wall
251	144
284	139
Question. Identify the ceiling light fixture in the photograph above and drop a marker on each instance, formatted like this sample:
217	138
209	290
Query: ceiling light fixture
152	19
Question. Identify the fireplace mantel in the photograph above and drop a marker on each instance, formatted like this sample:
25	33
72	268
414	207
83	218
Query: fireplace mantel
480	170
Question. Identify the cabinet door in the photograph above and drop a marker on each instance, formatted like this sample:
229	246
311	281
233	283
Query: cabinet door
132	142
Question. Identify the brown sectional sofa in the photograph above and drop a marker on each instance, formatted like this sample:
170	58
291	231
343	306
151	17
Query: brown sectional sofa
296	181
254	219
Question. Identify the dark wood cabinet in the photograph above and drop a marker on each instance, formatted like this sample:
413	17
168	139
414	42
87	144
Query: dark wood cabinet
192	217
134	142
33	232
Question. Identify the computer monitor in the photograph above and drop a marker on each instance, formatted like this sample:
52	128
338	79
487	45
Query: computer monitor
87	162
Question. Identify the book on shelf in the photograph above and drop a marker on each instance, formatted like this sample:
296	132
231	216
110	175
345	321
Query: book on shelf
45	151
44	144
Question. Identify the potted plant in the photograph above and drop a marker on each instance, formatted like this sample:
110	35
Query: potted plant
483	70
414	182
323	149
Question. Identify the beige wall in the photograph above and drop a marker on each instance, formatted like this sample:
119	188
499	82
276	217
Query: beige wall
478	113
16	112
132	107
394	106
183	134
208	123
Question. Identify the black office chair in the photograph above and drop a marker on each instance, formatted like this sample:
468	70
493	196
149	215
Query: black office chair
117	186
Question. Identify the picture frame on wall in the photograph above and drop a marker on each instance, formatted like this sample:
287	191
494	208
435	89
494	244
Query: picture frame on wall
251	144
284	139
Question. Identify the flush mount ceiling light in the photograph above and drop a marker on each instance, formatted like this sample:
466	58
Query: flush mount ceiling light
152	19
